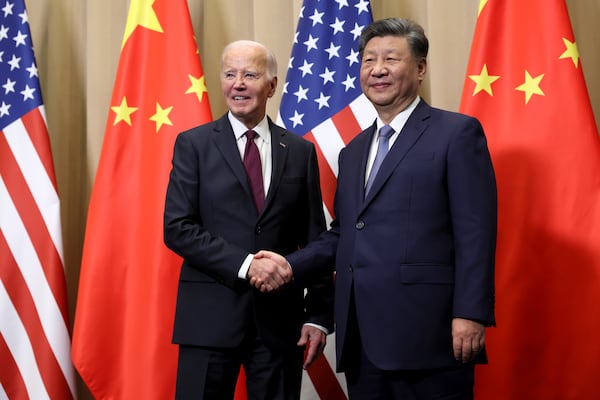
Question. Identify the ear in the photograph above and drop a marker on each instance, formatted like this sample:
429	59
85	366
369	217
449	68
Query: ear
273	86
422	68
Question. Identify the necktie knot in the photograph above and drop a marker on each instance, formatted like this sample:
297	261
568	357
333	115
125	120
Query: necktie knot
250	135
386	131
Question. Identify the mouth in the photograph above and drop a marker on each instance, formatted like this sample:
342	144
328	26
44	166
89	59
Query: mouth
379	85
240	98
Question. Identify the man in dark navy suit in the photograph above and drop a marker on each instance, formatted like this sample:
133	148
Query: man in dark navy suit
413	237
217	214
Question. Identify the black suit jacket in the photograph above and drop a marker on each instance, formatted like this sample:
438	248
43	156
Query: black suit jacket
210	220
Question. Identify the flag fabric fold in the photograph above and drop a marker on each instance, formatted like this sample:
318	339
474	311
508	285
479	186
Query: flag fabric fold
126	300
526	85
35	340
323	102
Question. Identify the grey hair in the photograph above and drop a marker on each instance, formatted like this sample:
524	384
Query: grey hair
401	27
271	61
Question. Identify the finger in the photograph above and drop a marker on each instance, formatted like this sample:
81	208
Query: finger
259	255
311	354
467	351
287	275
476	346
457	347
274	281
303	339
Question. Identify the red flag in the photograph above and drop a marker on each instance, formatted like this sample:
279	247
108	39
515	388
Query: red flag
34	322
127	290
525	83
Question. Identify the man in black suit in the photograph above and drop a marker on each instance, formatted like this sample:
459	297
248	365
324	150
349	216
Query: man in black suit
216	218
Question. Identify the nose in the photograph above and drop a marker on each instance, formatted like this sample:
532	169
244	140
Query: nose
379	68
239	81
236	80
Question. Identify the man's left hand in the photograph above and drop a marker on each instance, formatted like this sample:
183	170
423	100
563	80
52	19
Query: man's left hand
468	339
316	340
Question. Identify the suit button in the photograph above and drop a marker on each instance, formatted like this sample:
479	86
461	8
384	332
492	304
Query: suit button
351	269
258	230
359	225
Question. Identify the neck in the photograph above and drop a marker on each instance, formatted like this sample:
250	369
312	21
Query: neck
388	112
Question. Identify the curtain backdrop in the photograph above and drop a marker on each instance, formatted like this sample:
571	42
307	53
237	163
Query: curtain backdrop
77	44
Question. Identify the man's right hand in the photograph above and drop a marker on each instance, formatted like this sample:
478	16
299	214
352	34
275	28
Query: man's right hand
269	271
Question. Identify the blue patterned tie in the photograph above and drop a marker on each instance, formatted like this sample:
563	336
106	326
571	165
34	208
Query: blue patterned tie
384	143
254	170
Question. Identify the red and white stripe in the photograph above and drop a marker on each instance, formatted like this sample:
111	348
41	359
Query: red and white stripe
34	322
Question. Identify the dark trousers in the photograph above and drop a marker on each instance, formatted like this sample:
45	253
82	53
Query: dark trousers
367	382
211	373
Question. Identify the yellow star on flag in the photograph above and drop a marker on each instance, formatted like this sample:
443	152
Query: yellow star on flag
531	86
482	4
123	112
571	52
161	117
198	87
484	81
141	14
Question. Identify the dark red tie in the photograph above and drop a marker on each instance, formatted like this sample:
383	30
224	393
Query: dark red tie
254	170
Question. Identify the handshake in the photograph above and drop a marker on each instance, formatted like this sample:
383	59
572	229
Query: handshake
269	271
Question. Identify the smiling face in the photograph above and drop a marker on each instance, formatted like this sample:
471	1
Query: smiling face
245	82
389	75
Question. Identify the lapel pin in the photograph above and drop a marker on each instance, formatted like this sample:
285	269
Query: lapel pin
282	145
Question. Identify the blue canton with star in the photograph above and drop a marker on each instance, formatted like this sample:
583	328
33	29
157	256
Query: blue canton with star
19	82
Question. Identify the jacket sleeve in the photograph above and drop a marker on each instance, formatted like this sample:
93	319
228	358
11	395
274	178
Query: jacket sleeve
473	206
319	293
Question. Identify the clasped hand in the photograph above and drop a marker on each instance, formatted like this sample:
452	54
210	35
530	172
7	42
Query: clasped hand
269	271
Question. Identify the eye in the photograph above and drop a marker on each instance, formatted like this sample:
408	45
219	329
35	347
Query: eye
251	75
228	75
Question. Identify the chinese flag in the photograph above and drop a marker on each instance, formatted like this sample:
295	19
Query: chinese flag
128	284
525	83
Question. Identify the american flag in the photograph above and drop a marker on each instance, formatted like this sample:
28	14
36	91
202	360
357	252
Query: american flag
322	101
34	329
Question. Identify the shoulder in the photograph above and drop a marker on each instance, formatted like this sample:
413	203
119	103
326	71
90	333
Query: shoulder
204	131
451	117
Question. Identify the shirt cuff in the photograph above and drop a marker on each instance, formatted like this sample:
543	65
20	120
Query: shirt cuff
243	272
326	331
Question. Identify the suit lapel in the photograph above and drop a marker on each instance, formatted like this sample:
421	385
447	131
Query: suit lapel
410	134
363	146
279	151
225	142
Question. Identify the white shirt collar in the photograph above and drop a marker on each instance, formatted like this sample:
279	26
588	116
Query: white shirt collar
239	129
400	119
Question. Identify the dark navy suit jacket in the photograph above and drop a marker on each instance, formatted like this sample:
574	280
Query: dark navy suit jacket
419	249
210	220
